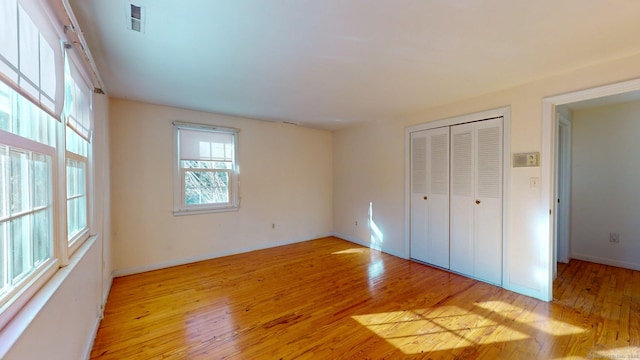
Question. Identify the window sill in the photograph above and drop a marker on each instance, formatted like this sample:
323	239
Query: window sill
183	212
16	326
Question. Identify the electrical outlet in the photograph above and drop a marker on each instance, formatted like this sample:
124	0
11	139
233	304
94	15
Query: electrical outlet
614	238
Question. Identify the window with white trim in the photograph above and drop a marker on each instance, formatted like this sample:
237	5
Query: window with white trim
78	116
77	165
41	156
27	153
31	84
206	169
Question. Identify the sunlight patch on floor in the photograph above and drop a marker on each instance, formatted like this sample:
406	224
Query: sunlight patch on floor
452	327
350	251
530	318
442	328
627	352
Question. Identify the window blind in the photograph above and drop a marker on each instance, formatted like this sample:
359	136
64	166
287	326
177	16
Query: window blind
33	65
205	145
78	98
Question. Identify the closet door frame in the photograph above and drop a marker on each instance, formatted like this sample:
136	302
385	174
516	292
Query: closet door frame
505	113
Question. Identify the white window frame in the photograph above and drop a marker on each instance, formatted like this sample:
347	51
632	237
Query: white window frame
82	235
41	82
78	118
179	204
12	301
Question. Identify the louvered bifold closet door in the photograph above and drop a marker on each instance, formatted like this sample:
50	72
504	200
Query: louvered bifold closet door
430	196
462	199
476	200
488	214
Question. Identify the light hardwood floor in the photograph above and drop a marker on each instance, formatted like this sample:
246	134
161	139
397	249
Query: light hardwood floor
331	299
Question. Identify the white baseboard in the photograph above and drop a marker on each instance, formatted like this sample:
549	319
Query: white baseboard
94	332
606	261
355	240
106	291
176	262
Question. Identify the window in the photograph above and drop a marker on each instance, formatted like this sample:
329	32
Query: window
77	111
26	194
30	55
206	178
41	156
77	174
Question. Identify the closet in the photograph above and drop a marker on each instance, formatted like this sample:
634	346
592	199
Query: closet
456	198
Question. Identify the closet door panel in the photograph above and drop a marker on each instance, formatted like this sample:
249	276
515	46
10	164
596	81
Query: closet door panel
488	210
462	200
430	196
418	236
438	198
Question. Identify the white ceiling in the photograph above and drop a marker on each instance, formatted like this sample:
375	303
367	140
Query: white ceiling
333	63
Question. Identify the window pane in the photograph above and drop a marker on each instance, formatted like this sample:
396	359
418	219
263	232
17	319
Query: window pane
76	178
76	144
3	258
76	215
21	117
76	197
5	107
19	182
206	187
40	180
41	239
4	183
71	218
194	164
19	248
70	178
45	131
27	119
82	212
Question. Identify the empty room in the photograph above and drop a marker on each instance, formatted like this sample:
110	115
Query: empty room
319	180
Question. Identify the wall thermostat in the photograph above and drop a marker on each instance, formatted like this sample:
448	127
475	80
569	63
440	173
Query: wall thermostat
531	159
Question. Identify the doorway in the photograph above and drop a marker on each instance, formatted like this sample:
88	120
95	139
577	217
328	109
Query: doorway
556	173
562	188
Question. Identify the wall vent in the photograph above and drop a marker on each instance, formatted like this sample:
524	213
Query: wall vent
135	17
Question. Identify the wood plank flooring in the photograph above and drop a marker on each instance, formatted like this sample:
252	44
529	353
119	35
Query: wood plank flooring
331	299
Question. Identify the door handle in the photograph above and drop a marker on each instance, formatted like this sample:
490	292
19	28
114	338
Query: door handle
425	197
478	202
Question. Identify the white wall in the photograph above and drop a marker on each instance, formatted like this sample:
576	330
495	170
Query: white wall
369	170
605	178
369	166
285	178
61	320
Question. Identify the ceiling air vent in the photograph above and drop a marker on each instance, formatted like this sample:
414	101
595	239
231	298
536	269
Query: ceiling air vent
135	19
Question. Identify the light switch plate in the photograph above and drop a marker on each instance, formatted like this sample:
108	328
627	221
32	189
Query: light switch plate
534	182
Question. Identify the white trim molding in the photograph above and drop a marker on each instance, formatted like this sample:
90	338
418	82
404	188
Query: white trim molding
547	154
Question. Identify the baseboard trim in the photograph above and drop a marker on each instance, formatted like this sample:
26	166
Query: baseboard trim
96	326
209	256
606	261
